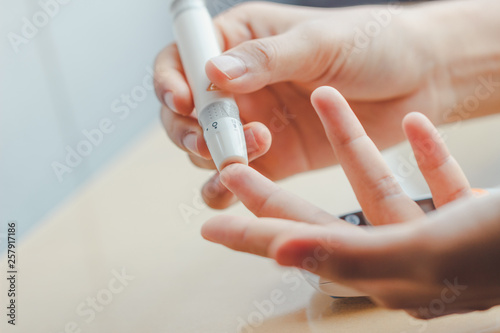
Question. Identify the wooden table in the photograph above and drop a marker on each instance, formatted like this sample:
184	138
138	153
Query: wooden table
124	254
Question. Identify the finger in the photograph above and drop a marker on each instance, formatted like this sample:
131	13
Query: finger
185	132
256	63
441	171
343	254
239	24
365	261
266	199
407	265
379	194
251	235
170	82
258	140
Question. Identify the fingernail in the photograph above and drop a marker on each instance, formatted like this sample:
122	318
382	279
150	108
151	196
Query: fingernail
190	142
252	145
231	67
169	100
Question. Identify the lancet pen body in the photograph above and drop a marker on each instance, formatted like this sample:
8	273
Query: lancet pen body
217	112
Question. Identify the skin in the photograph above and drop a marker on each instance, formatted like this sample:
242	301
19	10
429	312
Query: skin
422	59
408	260
285	52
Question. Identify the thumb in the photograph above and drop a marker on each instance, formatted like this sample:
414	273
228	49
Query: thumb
254	64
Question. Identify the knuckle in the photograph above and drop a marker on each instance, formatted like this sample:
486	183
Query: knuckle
265	52
346	140
384	187
267	203
248	241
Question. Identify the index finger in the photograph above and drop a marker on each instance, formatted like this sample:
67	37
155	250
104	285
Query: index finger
256	235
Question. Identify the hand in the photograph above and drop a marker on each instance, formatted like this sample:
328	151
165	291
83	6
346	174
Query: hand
283	53
448	257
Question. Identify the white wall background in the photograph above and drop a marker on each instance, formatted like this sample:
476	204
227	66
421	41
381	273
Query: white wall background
64	80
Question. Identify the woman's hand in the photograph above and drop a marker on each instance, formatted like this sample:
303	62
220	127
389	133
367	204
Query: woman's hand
442	263
385	60
276	55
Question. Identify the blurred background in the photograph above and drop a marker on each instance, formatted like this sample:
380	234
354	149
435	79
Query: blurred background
63	81
82	65
94	184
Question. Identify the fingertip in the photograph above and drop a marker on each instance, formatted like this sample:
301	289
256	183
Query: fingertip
417	127
321	91
212	229
414	115
322	98
207	229
329	104
234	175
415	120
339	121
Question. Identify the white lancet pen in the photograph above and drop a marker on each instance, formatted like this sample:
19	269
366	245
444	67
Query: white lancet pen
217	112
